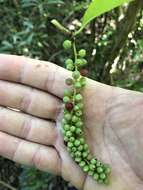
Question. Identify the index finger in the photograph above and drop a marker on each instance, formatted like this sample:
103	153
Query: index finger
40	74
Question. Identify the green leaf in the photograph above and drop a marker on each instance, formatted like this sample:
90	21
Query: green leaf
98	7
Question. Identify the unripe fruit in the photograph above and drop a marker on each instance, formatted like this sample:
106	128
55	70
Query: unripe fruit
76	74
73	128
93	161
92	167
74	149
84	62
84	154
69	61
78	97
77	143
66	99
66	127
78	159
91	173
67	116
99	169
79	62
68	134
78	113
66	139
78	131
80	148
75	119
78	154
82	53
78	85
96	176
82	164
70	145
67	44
69	81
70	67
68	92
79	124
72	139
102	176
86	168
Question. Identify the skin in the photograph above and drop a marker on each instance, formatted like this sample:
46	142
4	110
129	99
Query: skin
31	94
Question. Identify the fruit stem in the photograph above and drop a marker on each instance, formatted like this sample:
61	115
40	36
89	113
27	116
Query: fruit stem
60	27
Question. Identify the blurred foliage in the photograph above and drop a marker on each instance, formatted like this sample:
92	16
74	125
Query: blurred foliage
25	29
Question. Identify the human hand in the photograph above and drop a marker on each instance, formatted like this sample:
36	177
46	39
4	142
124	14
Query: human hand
112	117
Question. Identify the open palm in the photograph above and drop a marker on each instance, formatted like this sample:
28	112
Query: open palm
31	94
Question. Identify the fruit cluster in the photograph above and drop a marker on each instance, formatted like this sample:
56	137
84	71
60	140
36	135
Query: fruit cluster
72	123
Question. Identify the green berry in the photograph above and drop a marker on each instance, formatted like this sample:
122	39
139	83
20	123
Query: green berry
79	62
84	62
92	167
98	163
69	61
100	181
78	159
76	74
82	164
66	127
67	44
79	124
80	105
69	81
78	154
78	85
73	128
90	173
70	67
64	121
82	141
83	81
67	116
78	113
77	143
106	181
74	149
82	53
99	169
72	139
96	176
78	97
86	168
86	147
66	139
70	145
102	176
107	170
75	119
76	108
68	92
84	154
66	99
89	157
93	161
68	134
78	131
80	148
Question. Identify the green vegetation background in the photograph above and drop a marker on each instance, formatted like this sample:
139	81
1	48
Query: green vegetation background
114	44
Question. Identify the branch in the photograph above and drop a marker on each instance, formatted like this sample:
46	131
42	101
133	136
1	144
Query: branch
123	29
7	185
